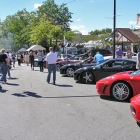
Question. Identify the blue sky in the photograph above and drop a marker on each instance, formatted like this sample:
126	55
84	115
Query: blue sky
88	15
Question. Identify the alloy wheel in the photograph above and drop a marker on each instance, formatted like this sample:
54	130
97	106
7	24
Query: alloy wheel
121	91
70	72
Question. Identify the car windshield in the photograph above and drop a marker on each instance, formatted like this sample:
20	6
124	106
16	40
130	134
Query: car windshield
135	72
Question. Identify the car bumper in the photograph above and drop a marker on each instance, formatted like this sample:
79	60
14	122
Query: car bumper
135	107
103	88
75	76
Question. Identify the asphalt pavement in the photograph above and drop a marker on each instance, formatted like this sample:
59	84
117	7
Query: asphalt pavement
32	109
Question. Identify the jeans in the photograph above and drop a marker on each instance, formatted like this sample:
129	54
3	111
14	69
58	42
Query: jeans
3	67
8	71
32	64
40	65
51	67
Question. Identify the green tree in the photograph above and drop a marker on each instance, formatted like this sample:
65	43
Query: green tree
57	14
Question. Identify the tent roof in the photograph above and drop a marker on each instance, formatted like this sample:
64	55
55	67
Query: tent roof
36	47
22	50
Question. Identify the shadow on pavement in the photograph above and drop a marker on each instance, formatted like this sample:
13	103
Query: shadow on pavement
138	124
12	78
64	85
32	94
3	90
11	84
109	98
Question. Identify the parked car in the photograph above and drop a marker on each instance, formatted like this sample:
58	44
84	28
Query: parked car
61	63
92	74
135	107
69	69
36	62
122	86
64	57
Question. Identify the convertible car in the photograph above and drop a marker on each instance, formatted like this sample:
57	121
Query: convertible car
122	86
135	107
61	63
70	68
90	74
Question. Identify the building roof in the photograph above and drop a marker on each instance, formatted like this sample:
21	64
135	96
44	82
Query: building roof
126	32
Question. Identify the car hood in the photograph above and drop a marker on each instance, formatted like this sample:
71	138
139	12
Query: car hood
135	99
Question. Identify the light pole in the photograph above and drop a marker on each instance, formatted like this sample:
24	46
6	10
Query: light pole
114	28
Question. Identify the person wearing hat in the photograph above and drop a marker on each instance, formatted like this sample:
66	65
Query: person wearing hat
99	58
119	52
3	64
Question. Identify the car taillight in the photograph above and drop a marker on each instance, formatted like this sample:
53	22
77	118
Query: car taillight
110	54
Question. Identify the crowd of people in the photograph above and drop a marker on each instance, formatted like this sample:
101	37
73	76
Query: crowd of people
8	60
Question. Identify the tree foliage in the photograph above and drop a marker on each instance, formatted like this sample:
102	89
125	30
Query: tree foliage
103	31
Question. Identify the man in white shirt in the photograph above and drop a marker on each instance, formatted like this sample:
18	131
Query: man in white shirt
51	58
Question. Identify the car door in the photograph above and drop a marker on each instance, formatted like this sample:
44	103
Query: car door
109	68
128	65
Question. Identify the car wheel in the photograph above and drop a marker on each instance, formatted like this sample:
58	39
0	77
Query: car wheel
36	64
58	67
87	77
121	91
69	72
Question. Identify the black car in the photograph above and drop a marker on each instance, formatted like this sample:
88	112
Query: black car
69	69
91	74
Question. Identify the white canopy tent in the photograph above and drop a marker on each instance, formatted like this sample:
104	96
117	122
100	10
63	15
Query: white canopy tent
36	48
22	50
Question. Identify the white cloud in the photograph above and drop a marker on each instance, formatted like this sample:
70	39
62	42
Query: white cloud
84	32
78	27
79	19
132	22
37	5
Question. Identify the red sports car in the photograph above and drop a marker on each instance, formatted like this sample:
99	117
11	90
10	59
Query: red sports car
122	86
135	107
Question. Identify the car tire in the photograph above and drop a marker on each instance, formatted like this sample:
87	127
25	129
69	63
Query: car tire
121	91
58	67
87	77
69	72
36	64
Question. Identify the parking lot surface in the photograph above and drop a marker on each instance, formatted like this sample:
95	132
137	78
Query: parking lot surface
32	109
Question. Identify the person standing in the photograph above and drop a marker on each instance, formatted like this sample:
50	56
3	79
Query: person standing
119	52
13	58
8	67
138	60
27	58
51	58
40	56
31	57
129	54
99	58
19	58
3	64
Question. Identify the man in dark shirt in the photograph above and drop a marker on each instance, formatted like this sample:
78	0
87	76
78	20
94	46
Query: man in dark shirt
3	65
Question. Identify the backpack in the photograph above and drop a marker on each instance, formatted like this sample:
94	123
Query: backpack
1	58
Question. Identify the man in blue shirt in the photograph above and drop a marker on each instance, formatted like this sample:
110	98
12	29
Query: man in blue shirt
119	52
99	58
